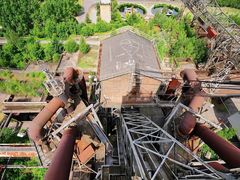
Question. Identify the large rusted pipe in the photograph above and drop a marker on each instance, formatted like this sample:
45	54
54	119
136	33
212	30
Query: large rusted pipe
224	149
190	76
36	126
188	121
61	163
73	76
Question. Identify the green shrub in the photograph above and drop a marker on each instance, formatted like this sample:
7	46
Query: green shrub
87	30
102	26
9	136
129	5
83	46
71	46
166	6
236	18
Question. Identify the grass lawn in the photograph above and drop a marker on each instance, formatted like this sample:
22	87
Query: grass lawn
89	61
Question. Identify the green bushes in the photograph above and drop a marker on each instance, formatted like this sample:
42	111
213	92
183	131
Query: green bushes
166	6
229	3
83	46
102	26
29	84
9	136
129	5
181	41
71	46
236	18
23	174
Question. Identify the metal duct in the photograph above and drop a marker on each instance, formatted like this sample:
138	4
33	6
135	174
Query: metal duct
188	121
224	149
36	126
73	77
190	76
61	163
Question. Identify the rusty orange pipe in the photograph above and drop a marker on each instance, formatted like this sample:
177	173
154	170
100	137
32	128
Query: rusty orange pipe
190	76
61	163
71	75
224	149
36	126
188	121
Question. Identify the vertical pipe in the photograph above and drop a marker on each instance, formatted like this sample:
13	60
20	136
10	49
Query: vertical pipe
224	149
35	129
61	163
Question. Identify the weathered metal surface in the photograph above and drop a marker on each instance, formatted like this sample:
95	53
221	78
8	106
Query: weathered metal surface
190	76
61	163
187	123
225	150
35	129
23	107
17	151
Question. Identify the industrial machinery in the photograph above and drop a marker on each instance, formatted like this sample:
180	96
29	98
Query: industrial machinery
138	125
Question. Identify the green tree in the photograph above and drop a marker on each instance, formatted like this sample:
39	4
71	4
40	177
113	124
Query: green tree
87	30
83	46
59	10
18	15
33	50
102	26
71	46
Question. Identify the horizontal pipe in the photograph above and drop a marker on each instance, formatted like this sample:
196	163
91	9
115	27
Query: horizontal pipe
36	126
61	163
224	149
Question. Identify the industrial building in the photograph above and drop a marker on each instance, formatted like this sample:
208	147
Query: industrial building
137	121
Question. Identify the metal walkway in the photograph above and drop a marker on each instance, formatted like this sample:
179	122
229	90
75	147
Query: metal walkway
152	153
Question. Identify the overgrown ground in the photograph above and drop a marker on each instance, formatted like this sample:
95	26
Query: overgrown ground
89	61
22	84
24	174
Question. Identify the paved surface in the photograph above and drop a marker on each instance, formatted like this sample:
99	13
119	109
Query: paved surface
87	5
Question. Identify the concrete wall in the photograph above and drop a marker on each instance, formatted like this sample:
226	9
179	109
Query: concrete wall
105	12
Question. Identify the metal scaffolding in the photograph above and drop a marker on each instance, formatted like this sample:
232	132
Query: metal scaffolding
152	153
227	45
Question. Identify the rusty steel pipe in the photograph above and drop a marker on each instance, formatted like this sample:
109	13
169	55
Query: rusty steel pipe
83	87
187	124
61	163
72	76
37	124
188	121
190	76
224	149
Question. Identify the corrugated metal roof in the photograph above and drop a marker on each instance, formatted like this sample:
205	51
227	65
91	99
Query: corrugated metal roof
126	53
105	1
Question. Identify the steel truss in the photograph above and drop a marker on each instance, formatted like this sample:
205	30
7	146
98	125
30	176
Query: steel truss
227	44
152	153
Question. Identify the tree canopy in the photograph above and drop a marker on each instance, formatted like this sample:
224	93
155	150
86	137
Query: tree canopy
18	16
